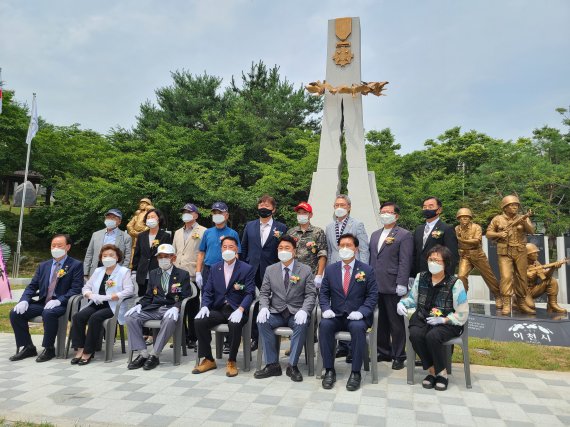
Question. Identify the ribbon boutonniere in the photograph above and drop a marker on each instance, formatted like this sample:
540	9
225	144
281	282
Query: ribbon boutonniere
155	291
389	240
110	283
360	276
238	286
312	245
195	235
175	288
155	243
277	234
436	312
61	272
436	234
222	237
294	279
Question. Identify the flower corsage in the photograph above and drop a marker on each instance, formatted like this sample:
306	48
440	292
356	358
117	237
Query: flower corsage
238	286
360	276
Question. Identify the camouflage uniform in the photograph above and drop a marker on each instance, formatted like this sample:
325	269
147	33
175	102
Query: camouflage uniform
311	245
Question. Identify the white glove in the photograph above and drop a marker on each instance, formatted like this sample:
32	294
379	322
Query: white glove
411	281
318	281
21	307
355	315
96	298
136	309
204	312
171	313
401	290
434	321
199	280
328	314
236	316
301	317
401	309
263	315
52	304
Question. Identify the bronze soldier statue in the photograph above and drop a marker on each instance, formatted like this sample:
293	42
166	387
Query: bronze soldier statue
509	230
540	279
471	255
137	225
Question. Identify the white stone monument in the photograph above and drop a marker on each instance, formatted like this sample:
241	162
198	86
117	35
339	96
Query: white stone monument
342	114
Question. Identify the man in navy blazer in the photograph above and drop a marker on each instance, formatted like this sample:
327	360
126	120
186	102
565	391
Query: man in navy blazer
54	282
226	298
348	298
259	245
391	254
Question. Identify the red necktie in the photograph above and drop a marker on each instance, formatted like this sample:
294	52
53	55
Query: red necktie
346	280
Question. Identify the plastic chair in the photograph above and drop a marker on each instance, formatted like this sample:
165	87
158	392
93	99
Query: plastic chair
284	331
371	345
178	340
462	340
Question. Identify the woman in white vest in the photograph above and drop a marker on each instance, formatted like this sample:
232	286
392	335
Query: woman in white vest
107	285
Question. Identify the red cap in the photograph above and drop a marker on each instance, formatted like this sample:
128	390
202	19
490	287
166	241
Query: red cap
303	205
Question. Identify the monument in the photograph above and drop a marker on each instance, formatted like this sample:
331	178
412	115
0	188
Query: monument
342	117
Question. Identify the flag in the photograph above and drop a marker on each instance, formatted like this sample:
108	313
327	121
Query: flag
33	128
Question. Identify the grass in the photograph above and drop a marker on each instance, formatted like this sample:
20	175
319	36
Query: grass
5	422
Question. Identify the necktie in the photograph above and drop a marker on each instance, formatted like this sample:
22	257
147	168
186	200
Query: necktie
164	281
426	234
286	278
346	280
52	282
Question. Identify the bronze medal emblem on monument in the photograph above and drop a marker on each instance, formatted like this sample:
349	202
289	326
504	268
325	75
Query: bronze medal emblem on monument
343	54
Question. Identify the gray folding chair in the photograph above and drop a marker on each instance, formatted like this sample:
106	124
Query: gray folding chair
285	331
371	340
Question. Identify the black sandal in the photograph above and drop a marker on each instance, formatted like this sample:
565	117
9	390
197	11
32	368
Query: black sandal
441	383
431	379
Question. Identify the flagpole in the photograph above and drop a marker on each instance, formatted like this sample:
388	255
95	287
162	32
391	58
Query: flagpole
16	265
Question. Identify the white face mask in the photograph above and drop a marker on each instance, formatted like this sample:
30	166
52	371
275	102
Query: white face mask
284	256
345	253
228	255
218	218
302	219
387	218
110	224
57	252
340	212
151	223
434	267
108	261
164	263
187	217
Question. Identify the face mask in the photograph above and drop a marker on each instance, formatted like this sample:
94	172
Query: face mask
108	261
434	267
110	223
284	256
345	253
57	252
187	217
218	218
228	255
164	263
429	213
264	212
302	219
340	212
151	223
387	218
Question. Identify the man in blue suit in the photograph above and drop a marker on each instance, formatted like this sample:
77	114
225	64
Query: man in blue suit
348	297
226	298
259	245
54	282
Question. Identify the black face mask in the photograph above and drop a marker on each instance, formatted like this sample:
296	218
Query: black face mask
429	213
264	212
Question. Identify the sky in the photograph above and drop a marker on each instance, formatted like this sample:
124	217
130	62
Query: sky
499	67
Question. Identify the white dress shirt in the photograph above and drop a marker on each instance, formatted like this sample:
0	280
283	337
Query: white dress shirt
264	230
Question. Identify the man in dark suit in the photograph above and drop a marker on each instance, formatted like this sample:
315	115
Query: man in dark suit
259	245
391	252
348	298
433	232
167	287
226	298
55	281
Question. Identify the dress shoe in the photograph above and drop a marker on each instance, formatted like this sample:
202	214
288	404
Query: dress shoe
47	354
231	369
270	370
138	362
151	363
353	382
83	362
329	379
348	358
254	345
204	366
75	360
192	344
226	348
341	352
26	351
294	373
288	352
397	365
